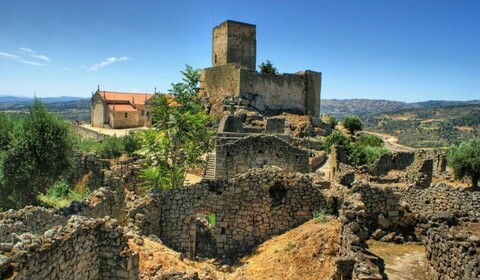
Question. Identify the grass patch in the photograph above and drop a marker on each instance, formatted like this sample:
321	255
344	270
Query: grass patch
60	195
320	216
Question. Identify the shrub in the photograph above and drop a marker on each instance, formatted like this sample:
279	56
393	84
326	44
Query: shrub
267	68
352	123
336	138
369	140
362	154
111	147
321	217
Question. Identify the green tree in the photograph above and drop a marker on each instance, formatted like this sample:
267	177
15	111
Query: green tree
181	135
464	159
40	152
268	68
336	138
352	123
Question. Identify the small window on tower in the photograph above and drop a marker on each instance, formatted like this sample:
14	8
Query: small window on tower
148	114
126	115
142	112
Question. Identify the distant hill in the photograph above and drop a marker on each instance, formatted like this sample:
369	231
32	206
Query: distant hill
439	126
71	108
368	107
10	99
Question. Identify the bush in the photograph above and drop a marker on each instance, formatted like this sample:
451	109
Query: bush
267	68
352	123
369	140
336	138
362	154
61	195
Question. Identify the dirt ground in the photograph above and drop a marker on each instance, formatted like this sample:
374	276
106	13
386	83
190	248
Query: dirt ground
306	252
402	261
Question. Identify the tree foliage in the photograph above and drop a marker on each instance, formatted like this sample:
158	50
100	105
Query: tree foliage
352	123
38	153
267	68
181	135
464	159
336	138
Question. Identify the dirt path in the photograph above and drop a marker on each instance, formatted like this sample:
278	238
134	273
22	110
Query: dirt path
402	261
391	142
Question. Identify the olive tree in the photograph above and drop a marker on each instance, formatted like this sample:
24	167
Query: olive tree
352	123
464	159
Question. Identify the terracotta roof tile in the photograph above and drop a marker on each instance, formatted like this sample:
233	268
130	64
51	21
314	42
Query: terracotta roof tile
122	108
135	98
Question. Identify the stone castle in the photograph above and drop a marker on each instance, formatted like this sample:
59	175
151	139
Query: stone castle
265	181
232	79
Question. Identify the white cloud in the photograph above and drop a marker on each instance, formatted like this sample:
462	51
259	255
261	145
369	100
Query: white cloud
31	62
34	54
106	62
27	50
41	56
18	58
9	55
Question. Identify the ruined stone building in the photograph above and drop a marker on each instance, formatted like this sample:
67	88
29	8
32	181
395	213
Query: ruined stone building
120	109
233	76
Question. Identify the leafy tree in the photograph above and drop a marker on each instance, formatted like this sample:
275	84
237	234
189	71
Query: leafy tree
336	138
40	152
181	135
352	123
465	160
268	68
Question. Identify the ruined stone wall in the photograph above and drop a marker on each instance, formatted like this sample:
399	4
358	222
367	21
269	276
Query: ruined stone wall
249	209
37	220
275	93
81	249
392	161
441	198
89	165
452	254
382	205
420	173
256	152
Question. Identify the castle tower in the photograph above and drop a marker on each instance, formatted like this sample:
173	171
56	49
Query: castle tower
234	42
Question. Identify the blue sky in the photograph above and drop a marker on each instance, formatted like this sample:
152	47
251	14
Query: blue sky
378	49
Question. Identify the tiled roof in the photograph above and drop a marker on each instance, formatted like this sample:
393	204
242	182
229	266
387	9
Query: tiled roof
135	98
122	108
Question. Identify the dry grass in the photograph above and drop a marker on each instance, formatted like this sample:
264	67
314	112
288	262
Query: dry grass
307	252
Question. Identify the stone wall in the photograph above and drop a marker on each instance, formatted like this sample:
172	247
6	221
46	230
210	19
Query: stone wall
452	254
234	42
249	209
81	249
441	198
274	93
86	133
256	152
392	161
90	166
37	220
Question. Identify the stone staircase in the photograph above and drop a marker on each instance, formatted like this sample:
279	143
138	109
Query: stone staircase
210	168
